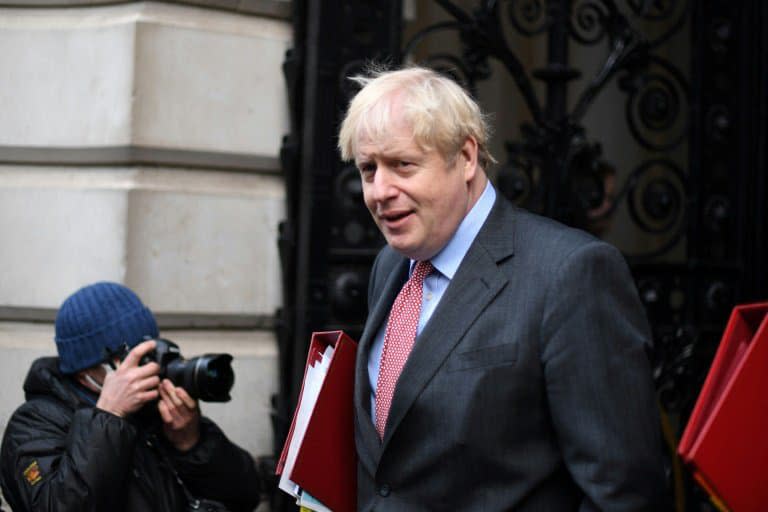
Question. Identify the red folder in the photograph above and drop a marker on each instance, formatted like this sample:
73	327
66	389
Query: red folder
326	463
725	442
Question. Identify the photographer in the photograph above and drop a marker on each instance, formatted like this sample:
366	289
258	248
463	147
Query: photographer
90	438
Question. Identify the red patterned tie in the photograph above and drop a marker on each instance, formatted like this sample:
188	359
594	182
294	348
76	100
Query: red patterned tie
398	340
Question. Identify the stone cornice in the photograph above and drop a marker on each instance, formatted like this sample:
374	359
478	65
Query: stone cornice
280	9
137	155
164	320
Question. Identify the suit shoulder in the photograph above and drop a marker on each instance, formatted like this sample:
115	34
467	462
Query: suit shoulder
549	243
539	231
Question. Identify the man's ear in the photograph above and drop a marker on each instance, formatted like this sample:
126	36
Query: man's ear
468	152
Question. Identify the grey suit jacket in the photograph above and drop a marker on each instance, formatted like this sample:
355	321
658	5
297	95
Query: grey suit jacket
529	388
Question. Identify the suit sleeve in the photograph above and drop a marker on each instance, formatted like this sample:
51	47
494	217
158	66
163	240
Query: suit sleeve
599	384
51	466
218	469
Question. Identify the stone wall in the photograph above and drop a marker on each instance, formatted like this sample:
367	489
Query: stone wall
139	143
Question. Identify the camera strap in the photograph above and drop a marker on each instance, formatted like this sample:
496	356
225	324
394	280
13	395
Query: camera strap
203	505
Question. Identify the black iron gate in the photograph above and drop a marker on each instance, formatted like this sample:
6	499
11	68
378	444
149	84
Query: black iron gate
695	197
327	241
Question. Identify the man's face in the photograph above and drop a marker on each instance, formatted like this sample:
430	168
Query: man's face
415	197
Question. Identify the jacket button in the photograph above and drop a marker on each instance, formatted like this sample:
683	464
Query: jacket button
384	491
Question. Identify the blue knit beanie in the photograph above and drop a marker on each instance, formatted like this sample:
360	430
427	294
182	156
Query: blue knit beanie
98	316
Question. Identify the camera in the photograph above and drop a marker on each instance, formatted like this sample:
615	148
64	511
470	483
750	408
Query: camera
208	377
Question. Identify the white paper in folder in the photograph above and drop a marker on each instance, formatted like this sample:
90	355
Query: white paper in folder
312	383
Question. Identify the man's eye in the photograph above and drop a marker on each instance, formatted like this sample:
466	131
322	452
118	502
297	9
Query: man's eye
367	172
404	163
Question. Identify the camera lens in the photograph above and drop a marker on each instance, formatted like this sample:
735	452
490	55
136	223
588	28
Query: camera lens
208	377
217	375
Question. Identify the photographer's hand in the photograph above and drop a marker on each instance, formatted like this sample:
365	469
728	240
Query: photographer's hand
130	386
181	416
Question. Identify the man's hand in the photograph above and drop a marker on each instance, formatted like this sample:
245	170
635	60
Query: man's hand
130	386
181	416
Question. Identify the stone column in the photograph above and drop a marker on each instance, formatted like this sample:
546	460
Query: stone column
139	143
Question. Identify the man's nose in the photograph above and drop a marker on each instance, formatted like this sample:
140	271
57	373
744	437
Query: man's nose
383	186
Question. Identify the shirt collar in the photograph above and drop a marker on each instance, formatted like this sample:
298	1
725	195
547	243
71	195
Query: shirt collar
449	258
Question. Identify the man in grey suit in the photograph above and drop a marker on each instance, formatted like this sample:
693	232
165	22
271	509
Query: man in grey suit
509	372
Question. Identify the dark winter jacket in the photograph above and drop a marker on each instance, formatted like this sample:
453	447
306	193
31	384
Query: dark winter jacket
60	453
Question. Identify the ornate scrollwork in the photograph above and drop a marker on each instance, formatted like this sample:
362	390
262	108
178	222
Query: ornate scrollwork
673	371
667	13
519	178
654	9
590	20
656	105
529	17
553	156
656	194
483	38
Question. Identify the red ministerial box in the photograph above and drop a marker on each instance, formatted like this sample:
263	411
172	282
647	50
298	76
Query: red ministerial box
326	461
726	440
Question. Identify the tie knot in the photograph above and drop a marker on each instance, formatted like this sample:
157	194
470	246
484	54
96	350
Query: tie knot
421	270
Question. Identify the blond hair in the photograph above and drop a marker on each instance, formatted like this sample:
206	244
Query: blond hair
440	112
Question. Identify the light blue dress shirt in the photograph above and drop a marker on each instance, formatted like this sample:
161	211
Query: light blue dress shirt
445	262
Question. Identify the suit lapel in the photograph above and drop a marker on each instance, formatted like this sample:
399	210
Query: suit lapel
379	313
476	283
